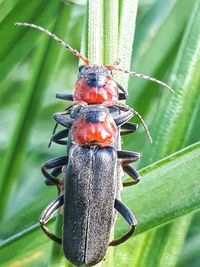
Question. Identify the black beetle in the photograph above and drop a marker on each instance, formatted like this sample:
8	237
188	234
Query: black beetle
91	188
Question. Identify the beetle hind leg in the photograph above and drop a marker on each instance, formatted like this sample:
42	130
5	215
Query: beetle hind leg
56	164
54	173
48	214
63	96
133	174
129	217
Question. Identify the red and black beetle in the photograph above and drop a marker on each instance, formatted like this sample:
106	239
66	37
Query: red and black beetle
91	189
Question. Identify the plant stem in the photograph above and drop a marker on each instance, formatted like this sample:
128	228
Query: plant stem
95	31
128	13
111	31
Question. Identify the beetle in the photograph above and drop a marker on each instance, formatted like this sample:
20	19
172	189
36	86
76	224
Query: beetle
92	184
99	160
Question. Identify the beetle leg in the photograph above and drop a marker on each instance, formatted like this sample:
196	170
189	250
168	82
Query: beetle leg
47	214
51	164
133	174
128	128
55	172
129	217
67	111
66	122
65	96
122	96
127	158
121	88
56	138
123	118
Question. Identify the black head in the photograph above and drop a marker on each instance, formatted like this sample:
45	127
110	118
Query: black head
85	70
95	76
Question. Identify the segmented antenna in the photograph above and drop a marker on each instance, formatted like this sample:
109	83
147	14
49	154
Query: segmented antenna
142	76
52	35
144	124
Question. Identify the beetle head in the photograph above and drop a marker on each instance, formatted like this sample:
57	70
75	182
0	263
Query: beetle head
95	85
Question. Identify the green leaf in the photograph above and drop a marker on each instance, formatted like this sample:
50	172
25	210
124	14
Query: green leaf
166	186
168	129
166	196
151	37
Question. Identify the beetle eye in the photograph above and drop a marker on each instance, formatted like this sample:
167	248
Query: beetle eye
110	72
81	67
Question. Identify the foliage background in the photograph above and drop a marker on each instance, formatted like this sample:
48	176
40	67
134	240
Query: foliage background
33	68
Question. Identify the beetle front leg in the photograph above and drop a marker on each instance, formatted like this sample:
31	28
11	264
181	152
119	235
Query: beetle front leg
47	214
124	116
67	111
64	96
56	138
123	91
127	158
61	119
129	217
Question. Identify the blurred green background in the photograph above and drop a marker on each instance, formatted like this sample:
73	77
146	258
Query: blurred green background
33	68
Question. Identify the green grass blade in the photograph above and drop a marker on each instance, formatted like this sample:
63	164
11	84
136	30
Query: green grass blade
128	13
190	253
95	31
172	192
169	128
17	45
111	31
154	51
31	104
180	192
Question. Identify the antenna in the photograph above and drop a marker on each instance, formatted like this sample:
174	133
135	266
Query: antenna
52	35
140	75
144	124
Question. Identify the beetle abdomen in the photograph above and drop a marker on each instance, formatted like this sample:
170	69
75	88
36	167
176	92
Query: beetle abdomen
89	203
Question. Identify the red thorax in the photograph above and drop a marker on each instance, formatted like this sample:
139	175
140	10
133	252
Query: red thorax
100	133
95	95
